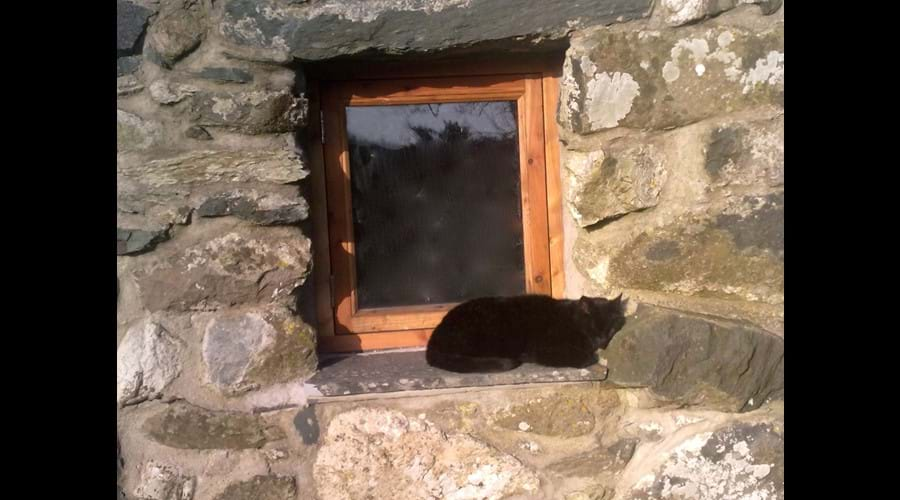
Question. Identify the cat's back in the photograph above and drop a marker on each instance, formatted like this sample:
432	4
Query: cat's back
500	314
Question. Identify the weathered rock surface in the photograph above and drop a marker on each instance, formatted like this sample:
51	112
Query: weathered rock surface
378	453
261	488
153	195
206	167
178	30
147	361
131	20
166	92
225	75
665	79
261	208
132	241
236	268
164	482
127	85
683	357
746	154
197	133
738	460
735	253
250	112
127	65
244	350
622	177
182	425
135	133
553	416
332	28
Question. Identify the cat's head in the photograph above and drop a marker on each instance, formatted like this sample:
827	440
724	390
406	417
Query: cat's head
602	318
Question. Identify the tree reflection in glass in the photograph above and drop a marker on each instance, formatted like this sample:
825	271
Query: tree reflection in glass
436	202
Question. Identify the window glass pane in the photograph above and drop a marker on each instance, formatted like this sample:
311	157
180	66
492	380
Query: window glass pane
436	202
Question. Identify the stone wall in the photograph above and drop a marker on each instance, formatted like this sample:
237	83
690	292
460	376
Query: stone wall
674	161
672	130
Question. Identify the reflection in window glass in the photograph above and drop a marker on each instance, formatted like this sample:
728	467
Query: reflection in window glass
436	202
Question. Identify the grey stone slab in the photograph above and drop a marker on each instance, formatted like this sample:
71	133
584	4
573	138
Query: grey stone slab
408	371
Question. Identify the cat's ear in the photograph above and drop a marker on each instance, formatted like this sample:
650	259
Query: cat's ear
614	304
584	303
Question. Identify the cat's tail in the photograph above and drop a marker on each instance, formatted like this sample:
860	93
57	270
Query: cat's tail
469	364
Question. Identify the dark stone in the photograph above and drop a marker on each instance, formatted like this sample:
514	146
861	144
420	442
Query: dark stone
307	425
261	488
132	241
247	207
407	371
763	228
726	145
226	75
769	7
127	65
691	359
325	30
131	20
663	250
603	461
198	133
184	426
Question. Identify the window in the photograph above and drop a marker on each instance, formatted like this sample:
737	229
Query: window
439	189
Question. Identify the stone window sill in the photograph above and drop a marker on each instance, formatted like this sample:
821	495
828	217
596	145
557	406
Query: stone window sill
406	370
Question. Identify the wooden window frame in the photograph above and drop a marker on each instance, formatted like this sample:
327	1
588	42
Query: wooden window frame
534	87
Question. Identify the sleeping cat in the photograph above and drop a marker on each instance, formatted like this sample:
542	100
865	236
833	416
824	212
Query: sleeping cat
496	334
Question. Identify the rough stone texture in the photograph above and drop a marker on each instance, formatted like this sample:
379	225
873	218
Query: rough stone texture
333	28
184	426
178	30
662	79
147	361
767	7
198	133
166	92
733	367
127	85
741	460
130	22
404	371
261	208
133	241
243	350
127	65
135	133
236	268
741	154
205	167
377	453
164	482
607	461
251	112
152	195
226	75
620	178
678	12
261	488
555	416
736	253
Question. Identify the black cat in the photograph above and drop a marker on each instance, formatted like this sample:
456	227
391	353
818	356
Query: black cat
496	334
